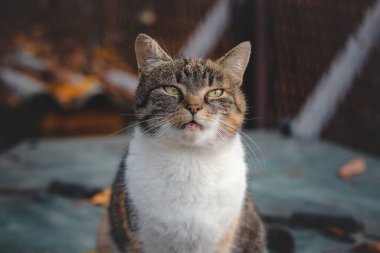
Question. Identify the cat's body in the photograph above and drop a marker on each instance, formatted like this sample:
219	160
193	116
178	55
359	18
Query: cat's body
182	186
186	201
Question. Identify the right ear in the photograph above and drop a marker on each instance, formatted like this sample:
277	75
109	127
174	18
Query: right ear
148	52
236	60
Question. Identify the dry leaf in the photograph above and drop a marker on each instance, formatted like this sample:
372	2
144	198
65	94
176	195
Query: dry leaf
367	247
362	247
337	232
67	92
353	168
102	198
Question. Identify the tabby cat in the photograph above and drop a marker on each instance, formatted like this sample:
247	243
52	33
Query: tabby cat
181	188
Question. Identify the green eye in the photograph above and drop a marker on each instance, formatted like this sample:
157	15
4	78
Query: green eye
171	90
215	93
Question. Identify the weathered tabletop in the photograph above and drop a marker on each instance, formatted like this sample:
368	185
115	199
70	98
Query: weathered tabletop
297	175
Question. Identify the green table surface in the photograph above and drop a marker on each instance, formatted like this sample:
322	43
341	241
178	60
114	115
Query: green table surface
291	175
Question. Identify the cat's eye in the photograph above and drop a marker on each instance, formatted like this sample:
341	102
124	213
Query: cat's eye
215	93
171	90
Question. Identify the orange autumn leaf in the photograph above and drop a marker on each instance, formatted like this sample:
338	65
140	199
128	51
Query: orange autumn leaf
67	91
102	198
367	247
353	168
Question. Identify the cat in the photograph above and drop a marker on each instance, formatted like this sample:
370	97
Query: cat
182	186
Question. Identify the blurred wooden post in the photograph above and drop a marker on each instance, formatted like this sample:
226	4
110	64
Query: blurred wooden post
261	60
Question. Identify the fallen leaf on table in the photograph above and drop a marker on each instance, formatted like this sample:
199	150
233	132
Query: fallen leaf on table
362	247
367	247
353	168
102	198
338	233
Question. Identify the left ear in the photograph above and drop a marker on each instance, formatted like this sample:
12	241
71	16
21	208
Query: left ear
236	60
148	52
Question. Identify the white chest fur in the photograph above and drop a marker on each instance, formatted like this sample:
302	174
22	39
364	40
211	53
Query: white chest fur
185	199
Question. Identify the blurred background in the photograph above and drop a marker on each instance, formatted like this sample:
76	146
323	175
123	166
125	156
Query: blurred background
67	68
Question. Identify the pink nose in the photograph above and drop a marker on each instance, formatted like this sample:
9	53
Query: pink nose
194	108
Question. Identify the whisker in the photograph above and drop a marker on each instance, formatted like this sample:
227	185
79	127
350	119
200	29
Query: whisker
248	152
220	132
156	133
254	118
246	138
155	126
255	167
159	133
110	135
135	114
134	124
255	145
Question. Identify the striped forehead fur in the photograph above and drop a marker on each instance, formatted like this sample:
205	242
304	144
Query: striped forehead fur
192	72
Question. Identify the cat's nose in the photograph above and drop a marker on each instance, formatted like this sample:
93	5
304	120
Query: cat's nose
194	108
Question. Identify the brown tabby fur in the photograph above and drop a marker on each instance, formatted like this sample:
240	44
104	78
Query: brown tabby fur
194	77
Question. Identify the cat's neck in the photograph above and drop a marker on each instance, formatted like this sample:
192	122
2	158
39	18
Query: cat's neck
219	147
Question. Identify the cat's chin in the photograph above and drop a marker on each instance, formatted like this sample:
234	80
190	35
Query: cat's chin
196	135
192	132
192	126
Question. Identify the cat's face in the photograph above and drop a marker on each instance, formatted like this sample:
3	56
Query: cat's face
192	102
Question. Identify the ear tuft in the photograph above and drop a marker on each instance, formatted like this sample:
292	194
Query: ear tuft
148	52
236	60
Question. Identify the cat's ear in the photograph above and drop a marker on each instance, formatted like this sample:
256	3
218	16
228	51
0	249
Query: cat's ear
236	60
148	52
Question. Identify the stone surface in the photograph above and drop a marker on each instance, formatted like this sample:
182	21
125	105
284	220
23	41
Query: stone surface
290	175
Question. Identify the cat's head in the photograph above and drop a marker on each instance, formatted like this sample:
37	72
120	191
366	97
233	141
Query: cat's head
194	102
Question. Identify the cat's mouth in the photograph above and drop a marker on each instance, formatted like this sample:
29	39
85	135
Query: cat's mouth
193	125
